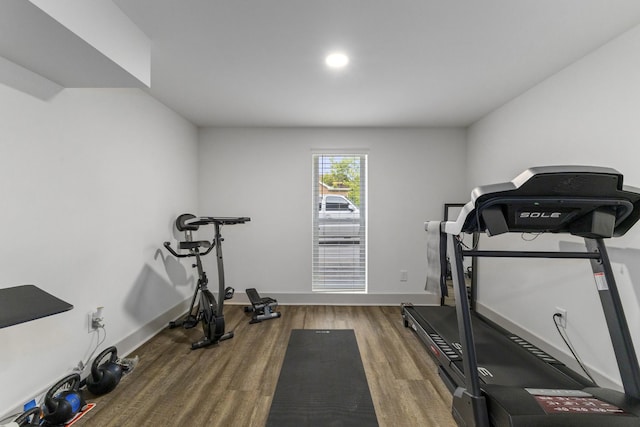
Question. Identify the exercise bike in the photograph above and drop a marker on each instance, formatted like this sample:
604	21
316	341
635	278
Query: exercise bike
204	307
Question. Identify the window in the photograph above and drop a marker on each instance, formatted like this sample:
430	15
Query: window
339	223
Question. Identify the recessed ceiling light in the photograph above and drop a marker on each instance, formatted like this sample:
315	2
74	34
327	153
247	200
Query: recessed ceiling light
336	60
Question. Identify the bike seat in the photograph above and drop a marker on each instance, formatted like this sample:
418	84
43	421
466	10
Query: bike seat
195	244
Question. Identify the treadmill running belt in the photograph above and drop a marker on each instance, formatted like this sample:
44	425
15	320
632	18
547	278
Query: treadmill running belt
500	360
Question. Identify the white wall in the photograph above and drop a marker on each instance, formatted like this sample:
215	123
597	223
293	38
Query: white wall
266	174
90	182
586	114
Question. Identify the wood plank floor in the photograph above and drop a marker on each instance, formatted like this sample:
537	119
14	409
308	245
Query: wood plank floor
232	383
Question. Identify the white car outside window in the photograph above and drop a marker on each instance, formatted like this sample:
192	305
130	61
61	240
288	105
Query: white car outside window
338	219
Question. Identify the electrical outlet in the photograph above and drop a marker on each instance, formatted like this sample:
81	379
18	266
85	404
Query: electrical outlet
563	316
96	320
404	275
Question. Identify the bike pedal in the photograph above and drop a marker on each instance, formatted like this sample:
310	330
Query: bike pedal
190	323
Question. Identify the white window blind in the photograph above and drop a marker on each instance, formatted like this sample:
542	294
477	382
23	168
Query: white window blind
339	212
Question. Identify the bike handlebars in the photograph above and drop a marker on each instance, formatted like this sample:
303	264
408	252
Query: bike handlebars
174	253
204	220
190	254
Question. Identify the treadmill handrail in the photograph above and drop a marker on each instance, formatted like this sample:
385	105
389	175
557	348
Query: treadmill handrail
531	254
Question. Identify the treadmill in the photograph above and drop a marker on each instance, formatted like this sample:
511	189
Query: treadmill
496	377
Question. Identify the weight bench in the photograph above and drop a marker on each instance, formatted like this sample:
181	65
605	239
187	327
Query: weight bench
262	308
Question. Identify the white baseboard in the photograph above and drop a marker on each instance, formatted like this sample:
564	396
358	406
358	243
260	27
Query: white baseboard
134	340
326	298
124	346
562	354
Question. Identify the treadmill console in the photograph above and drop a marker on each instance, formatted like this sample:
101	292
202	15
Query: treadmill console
584	201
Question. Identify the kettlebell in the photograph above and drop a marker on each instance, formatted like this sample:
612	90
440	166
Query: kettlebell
24	421
104	376
63	401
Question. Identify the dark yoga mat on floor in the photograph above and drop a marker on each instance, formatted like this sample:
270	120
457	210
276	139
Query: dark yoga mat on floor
322	382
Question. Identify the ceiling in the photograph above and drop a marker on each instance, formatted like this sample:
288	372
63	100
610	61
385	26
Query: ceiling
412	62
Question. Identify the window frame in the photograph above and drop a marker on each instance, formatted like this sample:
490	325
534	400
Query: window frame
354	252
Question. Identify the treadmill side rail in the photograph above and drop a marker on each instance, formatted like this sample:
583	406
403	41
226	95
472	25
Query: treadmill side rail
469	410
616	321
470	361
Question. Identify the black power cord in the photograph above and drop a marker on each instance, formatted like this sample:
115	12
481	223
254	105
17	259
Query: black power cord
556	317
